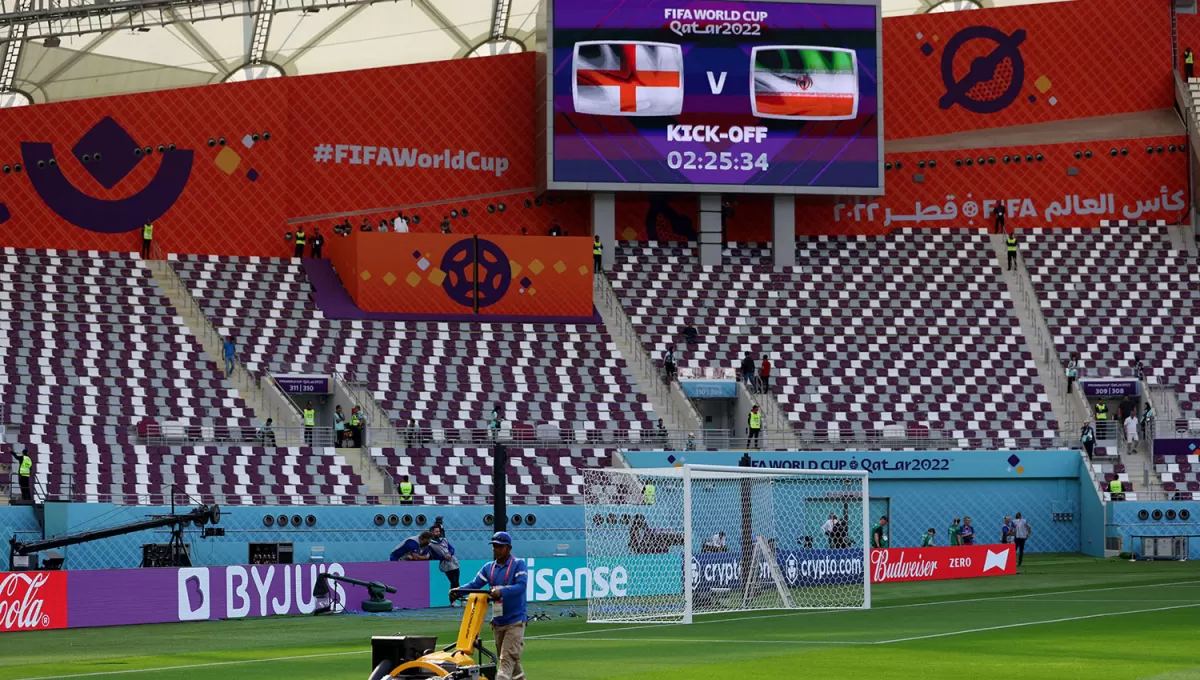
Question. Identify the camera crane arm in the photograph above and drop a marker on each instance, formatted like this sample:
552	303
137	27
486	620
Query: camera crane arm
200	516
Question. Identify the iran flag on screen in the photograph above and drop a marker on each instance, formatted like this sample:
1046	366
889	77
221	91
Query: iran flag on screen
808	83
621	78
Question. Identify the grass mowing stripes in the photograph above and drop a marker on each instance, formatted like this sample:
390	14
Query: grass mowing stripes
1062	617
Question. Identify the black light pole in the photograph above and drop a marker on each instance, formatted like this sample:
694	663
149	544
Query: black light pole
500	487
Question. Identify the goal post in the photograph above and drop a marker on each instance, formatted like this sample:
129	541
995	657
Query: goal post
667	544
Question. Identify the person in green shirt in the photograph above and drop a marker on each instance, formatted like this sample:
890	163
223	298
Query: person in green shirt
879	534
927	539
954	532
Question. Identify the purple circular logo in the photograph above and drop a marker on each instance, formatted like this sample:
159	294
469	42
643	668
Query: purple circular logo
993	81
494	272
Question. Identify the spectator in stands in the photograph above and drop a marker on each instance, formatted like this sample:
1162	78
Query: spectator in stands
1139	370
661	431
400	223
927	539
318	244
754	427
748	372
24	469
690	333
1021	532
1087	437
301	241
879	534
597	254
1147	422
352	426
955	532
227	351
1116	488
1125	408
1010	244
1072	371
556	230
691	442
147	238
827	528
443	552
764	376
967	533
383	226
339	427
446	225
362	427
1131	431
1103	427
1006	530
310	422
413	435
669	363
414	548
998	214
365	226
494	425
266	433
405	489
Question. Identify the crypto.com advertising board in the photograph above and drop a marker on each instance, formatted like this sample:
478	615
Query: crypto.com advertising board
767	97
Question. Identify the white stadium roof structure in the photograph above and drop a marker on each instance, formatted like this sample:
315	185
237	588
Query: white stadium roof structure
55	50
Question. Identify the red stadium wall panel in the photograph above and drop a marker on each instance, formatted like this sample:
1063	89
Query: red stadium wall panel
955	71
1135	186
87	174
412	134
447	274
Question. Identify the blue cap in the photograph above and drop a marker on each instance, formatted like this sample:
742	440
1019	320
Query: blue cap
501	538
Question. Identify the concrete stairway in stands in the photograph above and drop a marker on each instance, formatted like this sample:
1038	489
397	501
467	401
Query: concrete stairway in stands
1068	409
263	397
669	401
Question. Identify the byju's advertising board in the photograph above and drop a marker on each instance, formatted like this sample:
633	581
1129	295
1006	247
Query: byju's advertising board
117	597
695	95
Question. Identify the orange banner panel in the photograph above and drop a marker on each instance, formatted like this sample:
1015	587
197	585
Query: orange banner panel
450	275
410	273
549	276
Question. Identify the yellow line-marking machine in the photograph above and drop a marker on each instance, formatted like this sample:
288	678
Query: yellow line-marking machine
408	656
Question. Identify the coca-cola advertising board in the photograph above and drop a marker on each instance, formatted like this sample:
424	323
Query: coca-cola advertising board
117	597
33	600
938	564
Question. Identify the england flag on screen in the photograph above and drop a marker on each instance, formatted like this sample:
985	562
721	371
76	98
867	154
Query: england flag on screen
622	78
804	83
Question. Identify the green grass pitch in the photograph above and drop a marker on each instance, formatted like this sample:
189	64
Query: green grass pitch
1062	617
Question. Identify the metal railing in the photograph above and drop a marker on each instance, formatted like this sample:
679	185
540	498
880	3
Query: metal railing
668	396
166	434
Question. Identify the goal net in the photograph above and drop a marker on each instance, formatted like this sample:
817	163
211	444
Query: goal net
664	544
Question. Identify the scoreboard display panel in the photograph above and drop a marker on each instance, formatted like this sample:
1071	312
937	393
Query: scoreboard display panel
754	97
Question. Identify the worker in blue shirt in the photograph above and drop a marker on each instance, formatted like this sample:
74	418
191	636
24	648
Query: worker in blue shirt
506	575
414	548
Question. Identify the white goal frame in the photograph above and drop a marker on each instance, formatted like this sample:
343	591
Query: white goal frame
687	471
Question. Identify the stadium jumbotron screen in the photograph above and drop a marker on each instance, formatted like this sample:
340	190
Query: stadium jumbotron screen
678	95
